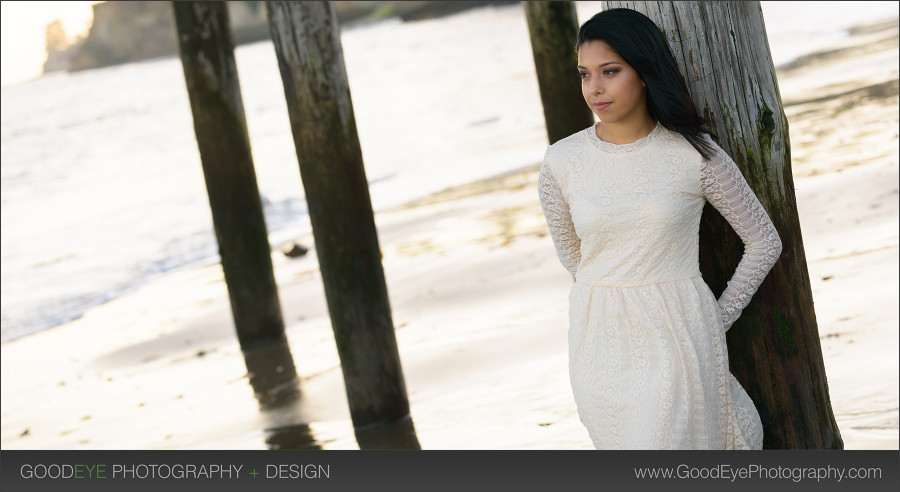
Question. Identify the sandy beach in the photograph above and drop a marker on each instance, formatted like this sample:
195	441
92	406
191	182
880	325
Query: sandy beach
479	302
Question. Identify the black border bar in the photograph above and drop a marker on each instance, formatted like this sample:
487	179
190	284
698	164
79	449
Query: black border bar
399	471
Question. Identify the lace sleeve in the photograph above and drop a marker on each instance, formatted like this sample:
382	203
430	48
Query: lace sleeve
556	211
726	189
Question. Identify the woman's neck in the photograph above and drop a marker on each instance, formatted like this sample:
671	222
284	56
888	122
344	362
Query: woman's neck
622	133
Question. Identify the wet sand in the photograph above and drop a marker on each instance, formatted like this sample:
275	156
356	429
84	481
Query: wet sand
479	300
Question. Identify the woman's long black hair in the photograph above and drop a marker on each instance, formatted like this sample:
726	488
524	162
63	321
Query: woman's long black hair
642	45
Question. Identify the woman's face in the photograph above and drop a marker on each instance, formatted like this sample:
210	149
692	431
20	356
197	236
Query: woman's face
610	86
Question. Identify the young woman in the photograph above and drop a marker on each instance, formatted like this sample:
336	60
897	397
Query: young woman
647	356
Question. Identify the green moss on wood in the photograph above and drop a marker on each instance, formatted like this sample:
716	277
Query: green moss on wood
765	126
693	65
784	332
750	155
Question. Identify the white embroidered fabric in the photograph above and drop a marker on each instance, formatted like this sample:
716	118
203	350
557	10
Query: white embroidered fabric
648	361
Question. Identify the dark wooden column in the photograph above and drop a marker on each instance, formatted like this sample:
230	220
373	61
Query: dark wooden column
207	55
310	57
553	27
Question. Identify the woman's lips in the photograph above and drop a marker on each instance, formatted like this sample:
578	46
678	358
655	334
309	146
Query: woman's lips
601	106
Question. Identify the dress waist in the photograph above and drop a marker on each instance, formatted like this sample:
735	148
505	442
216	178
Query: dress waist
633	286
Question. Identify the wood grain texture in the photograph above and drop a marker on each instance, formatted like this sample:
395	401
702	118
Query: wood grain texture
723	52
207	55
307	44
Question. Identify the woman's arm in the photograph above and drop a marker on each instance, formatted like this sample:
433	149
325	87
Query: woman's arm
559	221
726	189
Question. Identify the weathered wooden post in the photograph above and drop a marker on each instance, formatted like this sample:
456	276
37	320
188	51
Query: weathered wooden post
553	27
207	55
723	53
311	61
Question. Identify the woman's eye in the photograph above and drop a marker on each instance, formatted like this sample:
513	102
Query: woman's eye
582	75
610	71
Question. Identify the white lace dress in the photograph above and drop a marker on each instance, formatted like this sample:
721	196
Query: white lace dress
648	361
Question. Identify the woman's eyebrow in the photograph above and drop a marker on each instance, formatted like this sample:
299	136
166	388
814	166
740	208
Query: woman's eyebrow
601	65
